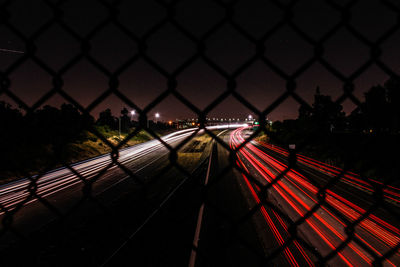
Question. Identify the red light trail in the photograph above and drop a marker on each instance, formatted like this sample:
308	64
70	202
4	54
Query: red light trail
325	230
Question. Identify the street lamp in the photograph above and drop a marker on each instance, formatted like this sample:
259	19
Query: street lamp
157	115
250	117
132	114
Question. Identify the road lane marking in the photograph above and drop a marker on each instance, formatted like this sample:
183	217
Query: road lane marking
196	238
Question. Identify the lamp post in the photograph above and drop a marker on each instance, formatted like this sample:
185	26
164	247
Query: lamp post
132	114
157	115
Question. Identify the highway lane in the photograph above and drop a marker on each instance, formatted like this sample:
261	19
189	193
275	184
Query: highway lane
326	173
13	193
224	238
295	195
83	222
65	193
134	158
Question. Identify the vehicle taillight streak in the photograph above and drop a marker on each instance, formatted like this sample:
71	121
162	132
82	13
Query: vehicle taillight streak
295	195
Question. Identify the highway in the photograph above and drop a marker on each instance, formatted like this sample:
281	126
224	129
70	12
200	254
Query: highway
297	192
292	196
64	204
136	158
17	192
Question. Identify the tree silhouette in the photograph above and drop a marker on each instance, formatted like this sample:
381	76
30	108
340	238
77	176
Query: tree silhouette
325	115
392	87
125	120
375	109
106	118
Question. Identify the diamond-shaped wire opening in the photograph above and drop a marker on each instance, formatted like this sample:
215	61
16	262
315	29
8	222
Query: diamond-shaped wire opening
311	14
140	18
198	78
56	47
354	55
112	52
39	82
169	48
287	50
264	89
83	17
29	16
228	57
85	81
264	16
141	83
318	76
190	14
365	14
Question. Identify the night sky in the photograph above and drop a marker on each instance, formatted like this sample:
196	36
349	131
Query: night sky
141	83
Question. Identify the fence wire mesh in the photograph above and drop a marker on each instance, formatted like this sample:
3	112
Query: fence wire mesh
86	41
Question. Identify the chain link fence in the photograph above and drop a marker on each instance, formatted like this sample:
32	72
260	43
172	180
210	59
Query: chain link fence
200	42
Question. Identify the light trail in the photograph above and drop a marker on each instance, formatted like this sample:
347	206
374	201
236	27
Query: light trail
373	223
11	51
390	192
297	196
15	192
287	251
381	233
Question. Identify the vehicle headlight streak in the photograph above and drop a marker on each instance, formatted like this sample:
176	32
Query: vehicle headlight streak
298	196
57	180
16	192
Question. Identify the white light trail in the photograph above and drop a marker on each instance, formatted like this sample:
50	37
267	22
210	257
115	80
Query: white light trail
11	51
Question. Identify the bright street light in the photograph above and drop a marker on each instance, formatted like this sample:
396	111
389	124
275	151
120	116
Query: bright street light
250	117
132	114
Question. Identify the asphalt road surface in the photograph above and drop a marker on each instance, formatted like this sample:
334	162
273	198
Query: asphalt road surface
241	224
323	231
65	222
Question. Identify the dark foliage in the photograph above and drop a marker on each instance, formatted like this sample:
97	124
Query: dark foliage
42	138
364	141
39	136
